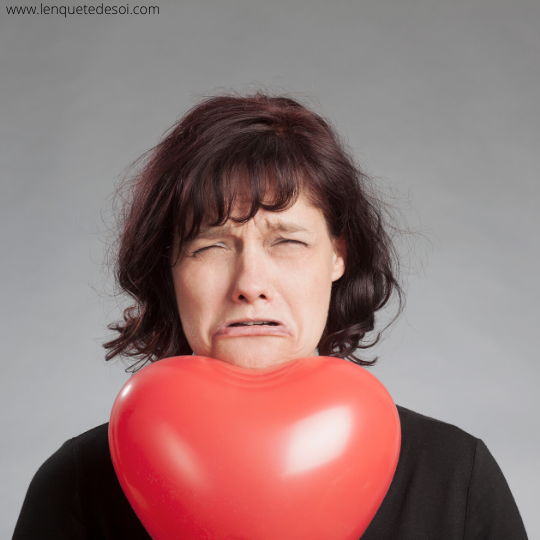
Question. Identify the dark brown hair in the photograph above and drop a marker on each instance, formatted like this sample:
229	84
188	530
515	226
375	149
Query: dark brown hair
272	149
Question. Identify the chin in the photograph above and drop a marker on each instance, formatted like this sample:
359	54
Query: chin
252	355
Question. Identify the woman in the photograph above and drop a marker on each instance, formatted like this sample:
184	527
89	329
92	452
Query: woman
250	236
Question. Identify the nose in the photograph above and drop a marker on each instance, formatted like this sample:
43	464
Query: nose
252	280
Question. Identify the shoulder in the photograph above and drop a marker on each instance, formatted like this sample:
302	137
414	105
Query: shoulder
52	505
92	444
426	435
425	424
446	480
433	454
76	494
97	481
84	455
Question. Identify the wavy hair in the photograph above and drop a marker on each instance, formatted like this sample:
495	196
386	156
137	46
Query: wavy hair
270	149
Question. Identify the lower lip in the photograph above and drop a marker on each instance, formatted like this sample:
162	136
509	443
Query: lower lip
252	330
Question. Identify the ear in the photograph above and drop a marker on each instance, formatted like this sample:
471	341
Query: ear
340	258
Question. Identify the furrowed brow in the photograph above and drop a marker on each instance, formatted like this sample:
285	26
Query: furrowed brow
211	233
286	227
277	226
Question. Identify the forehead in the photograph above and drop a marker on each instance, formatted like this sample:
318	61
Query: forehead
300	217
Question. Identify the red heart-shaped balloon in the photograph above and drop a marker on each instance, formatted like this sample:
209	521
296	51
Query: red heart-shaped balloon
207	450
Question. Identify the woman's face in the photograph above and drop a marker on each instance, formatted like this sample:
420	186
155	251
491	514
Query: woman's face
257	294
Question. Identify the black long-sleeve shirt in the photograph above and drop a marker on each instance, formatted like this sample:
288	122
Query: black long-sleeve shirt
447	486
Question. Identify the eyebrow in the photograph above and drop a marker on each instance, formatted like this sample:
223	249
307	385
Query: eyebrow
279	225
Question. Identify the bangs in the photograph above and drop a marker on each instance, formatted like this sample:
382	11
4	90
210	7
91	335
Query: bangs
263	172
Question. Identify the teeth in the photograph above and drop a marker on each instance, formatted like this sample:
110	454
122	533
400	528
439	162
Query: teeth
252	323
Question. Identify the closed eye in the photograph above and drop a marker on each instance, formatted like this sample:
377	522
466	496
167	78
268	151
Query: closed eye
220	245
290	241
207	248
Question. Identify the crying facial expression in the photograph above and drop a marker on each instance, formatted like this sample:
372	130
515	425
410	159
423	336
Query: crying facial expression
257	294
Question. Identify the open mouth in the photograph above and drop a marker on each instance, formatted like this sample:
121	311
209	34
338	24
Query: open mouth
252	327
255	323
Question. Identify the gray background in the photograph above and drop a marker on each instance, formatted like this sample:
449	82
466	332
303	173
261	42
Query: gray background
438	99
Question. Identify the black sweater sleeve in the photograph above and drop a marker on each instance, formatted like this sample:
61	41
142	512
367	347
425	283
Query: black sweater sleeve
52	507
492	513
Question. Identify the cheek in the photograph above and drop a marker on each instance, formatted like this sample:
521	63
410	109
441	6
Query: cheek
320	299
192	310
188	298
309	293
198	294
